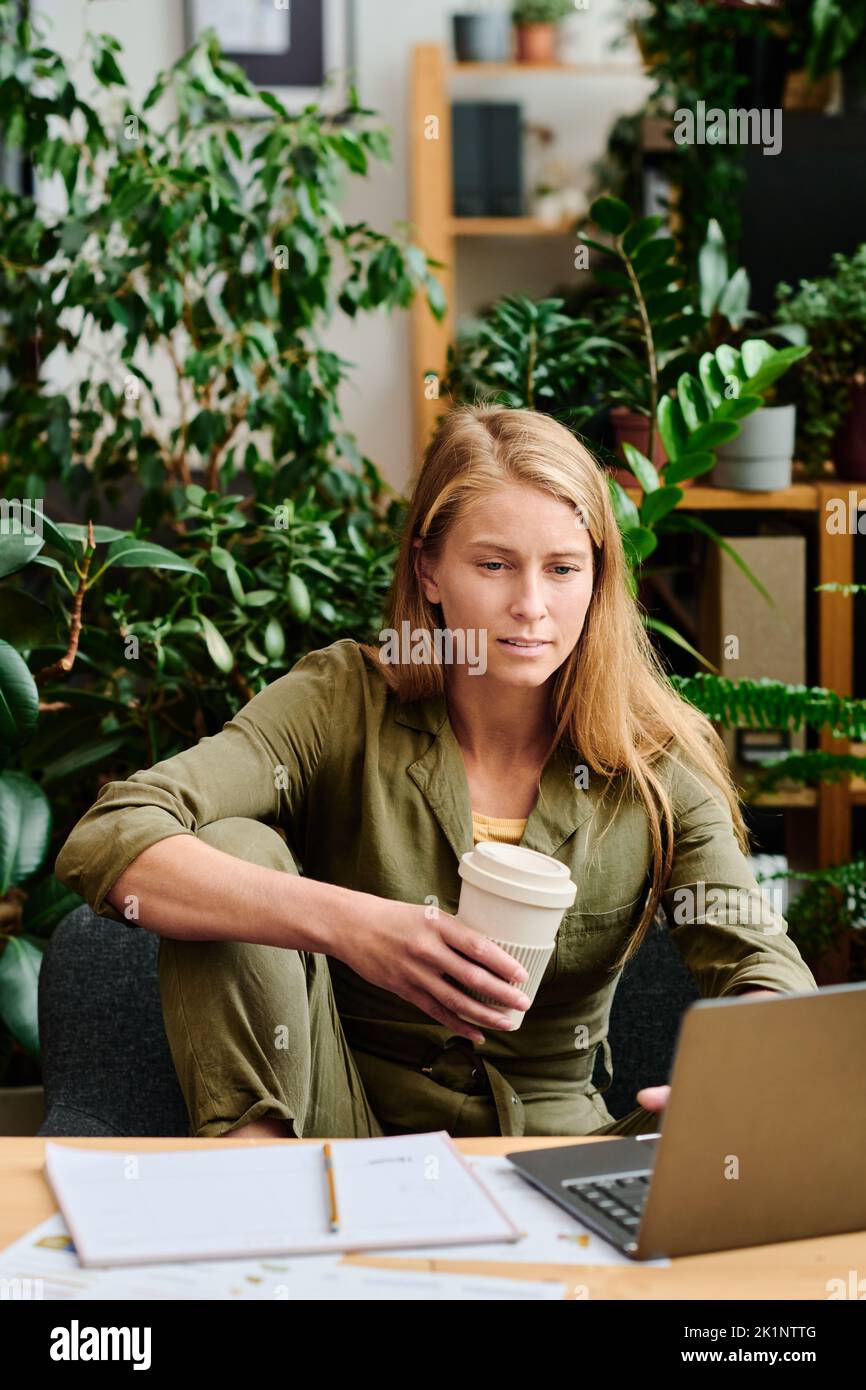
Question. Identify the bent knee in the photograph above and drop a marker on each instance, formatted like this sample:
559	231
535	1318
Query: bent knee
251	840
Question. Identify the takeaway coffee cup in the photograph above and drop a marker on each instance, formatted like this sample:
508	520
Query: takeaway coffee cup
516	896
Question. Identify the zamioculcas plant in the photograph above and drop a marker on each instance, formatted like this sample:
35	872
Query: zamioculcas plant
652	317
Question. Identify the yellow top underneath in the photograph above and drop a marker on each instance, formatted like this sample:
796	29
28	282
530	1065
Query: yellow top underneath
504	828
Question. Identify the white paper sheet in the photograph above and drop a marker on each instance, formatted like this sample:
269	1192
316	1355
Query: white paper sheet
124	1207
46	1258
552	1236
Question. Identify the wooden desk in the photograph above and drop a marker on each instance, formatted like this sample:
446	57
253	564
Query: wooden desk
793	1270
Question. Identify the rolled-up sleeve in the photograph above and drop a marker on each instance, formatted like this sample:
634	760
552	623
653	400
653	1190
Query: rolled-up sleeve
259	766
729	932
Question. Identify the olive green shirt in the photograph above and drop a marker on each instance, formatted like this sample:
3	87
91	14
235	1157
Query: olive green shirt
373	795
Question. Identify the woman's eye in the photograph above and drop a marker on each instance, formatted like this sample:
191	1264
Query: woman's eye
569	569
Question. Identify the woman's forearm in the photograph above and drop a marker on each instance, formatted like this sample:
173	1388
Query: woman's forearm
181	887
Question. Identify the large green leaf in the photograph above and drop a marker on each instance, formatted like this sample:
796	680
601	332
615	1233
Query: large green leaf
690	465
693	403
738	407
133	553
25	828
712	379
640	232
772	368
18	550
218	647
656	625
20	963
672	427
731	362
611	214
712	268
101	534
659	504
643	470
624	509
83	755
734	303
638	543
24	621
713	433
19	698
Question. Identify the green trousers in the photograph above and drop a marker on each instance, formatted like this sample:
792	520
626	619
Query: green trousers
254	1032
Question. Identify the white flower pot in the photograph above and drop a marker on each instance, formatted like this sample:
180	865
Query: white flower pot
759	458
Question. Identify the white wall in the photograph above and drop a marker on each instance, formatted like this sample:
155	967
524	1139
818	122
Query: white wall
377	401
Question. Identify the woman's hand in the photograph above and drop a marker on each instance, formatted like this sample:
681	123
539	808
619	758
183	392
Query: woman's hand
408	948
653	1097
657	1097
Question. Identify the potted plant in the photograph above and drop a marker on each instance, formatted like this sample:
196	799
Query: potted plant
535	24
834	37
831	385
528	355
482	35
651	316
759	457
281	529
32	901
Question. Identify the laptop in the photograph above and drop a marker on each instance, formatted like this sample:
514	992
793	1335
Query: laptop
763	1138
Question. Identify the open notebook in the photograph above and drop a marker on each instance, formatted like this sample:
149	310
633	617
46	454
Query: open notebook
123	1207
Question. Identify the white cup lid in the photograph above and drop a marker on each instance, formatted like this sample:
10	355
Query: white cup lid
524	875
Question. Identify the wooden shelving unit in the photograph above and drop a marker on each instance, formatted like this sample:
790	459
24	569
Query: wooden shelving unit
430	201
438	231
506	226
835	553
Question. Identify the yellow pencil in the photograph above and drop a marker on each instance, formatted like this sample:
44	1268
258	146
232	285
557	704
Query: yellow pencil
332	1191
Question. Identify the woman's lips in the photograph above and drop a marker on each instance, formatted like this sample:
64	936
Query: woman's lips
522	650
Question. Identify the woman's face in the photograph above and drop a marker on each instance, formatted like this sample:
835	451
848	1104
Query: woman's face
519	565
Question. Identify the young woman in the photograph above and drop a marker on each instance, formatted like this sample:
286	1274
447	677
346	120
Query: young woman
301	866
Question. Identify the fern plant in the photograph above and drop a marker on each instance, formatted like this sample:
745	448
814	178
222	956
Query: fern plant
831	903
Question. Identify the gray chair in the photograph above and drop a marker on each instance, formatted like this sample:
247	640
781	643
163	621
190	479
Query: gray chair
107	1067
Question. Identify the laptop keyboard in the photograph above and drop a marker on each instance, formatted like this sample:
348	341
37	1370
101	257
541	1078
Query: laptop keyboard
620	1199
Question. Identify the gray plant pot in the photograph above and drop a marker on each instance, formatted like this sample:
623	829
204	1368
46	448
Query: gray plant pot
759	458
482	38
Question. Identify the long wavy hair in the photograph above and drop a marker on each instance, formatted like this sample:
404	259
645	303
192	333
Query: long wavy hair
611	697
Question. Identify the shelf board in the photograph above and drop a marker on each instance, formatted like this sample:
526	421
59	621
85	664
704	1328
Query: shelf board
508	226
575	69
800	497
802	797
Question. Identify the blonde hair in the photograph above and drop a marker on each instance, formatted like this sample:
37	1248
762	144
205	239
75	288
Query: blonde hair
611	697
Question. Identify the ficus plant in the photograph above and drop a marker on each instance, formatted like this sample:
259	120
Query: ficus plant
49	734
206	248
199	246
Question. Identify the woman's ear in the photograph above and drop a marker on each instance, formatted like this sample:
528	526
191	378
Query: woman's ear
425	579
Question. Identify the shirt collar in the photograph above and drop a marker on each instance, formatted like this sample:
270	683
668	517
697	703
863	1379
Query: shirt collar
440	775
